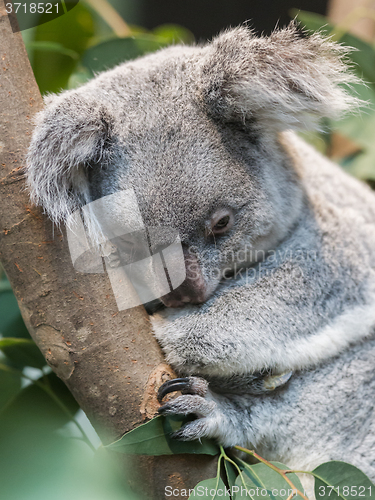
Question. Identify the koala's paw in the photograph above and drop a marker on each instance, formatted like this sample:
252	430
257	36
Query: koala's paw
196	400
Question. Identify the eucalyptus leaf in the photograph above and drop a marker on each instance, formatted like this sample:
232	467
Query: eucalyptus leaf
10	385
73	31
316	139
11	322
154	438
37	464
22	352
361	132
231	473
210	489
5	285
34	407
108	54
339	480
361	165
173	33
80	76
263	482
52	47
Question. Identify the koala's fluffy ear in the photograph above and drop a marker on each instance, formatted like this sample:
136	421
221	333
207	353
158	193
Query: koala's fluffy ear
282	81
73	134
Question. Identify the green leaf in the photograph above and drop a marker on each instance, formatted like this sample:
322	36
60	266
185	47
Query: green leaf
22	352
339	480
11	322
79	77
173	33
41	465
108	54
263	482
52	47
5	285
154	438
10	385
209	489
231	473
361	131
73	31
361	165
34	407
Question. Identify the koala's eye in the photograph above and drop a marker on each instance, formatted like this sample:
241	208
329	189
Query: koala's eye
221	222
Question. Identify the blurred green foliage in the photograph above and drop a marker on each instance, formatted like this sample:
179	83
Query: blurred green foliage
67	51
73	32
155	438
45	449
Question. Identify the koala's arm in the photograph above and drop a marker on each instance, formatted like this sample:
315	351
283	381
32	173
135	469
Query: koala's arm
292	425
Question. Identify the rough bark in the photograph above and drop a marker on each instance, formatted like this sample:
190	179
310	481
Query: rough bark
108	359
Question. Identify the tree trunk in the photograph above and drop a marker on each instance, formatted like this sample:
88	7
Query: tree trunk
108	359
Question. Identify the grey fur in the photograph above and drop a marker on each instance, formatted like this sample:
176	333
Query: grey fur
201	131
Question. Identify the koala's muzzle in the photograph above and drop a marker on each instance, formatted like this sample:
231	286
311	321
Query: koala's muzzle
193	290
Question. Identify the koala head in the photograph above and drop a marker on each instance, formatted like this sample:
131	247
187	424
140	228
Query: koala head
195	132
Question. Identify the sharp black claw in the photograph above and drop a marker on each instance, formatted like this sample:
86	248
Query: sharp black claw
176	384
163	409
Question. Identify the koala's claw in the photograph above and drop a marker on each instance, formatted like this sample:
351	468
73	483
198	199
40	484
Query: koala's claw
187	385
208	416
177	384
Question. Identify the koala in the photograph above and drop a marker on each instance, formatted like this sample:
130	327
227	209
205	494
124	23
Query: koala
272	330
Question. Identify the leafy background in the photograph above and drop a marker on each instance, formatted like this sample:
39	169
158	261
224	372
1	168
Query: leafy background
48	447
